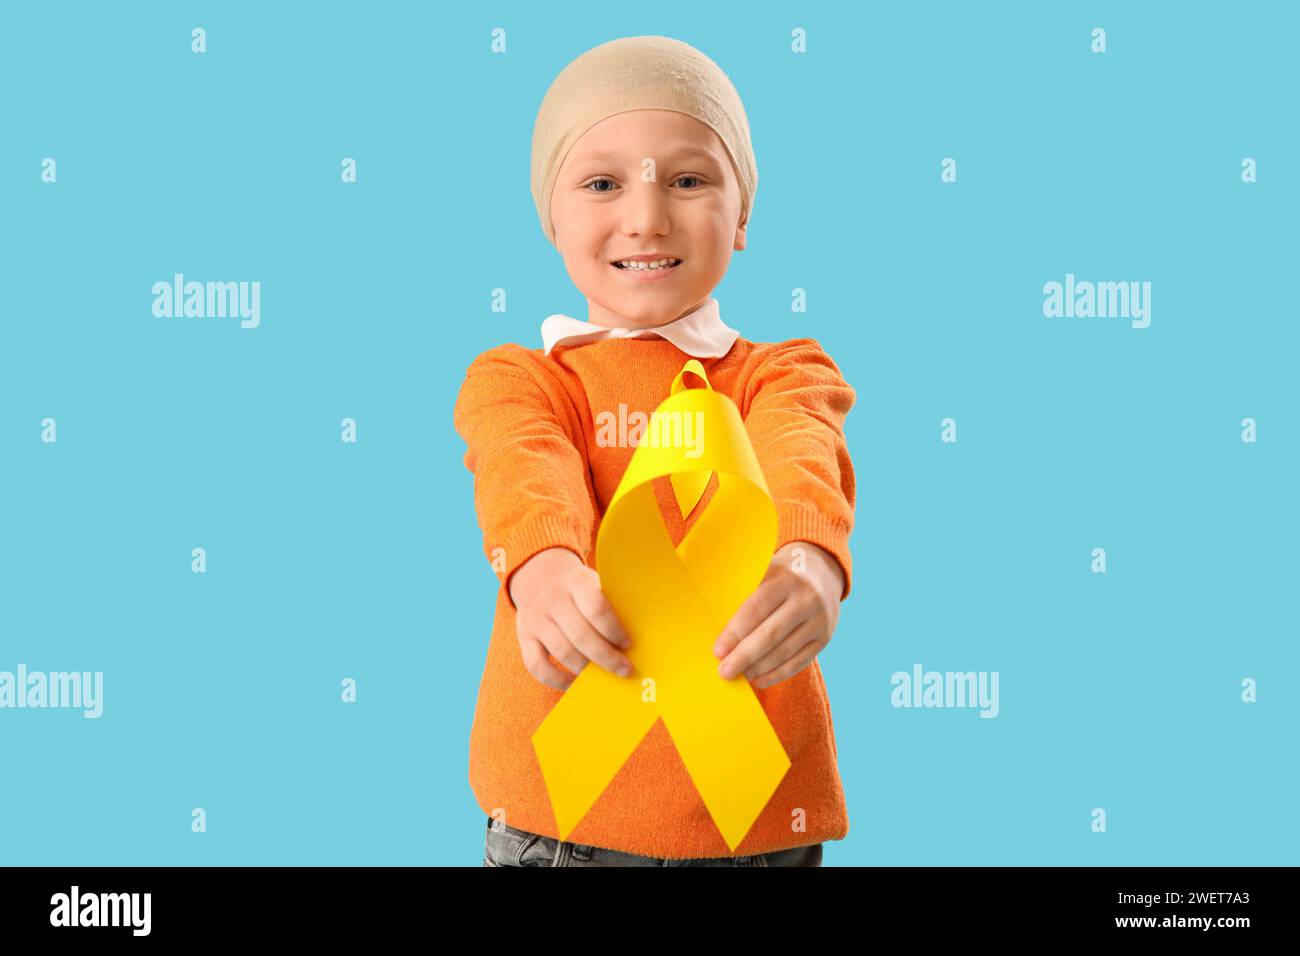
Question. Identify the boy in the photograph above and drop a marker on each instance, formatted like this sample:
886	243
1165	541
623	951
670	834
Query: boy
644	180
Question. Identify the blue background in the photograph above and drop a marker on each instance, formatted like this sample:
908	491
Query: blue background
328	560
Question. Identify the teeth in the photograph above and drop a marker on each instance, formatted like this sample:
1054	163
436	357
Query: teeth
657	264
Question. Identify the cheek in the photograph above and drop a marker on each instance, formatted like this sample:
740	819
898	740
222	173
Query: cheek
585	244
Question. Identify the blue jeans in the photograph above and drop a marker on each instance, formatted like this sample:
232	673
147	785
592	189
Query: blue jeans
507	846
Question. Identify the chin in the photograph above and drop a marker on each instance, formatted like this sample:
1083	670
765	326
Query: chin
643	314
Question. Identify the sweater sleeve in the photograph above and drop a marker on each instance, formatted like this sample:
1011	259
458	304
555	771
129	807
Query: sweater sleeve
797	403
532	487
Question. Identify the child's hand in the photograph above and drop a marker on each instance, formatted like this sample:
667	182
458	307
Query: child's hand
788	619
561	609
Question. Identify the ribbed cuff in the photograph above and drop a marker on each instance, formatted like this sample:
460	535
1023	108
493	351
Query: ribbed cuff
800	524
527	539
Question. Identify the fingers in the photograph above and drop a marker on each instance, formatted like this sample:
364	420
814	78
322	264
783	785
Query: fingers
794	642
575	624
537	664
767	597
762	639
791	667
553	639
590	641
595	607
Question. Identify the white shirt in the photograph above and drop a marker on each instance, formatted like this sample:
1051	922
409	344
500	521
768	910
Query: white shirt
700	333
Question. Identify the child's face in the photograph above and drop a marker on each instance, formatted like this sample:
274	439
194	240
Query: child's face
603	211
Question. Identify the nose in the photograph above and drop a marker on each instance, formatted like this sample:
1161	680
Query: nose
646	210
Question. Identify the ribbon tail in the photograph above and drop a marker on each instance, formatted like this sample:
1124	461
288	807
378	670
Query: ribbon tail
736	774
723	736
588	735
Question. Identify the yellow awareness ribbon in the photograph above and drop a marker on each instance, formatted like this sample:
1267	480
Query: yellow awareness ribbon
674	603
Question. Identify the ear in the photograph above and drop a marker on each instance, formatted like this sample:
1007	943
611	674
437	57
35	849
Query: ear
740	235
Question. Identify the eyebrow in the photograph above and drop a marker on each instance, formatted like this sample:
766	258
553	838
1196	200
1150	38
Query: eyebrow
604	155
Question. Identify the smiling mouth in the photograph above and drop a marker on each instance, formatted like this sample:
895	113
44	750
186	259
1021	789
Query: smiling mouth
672	264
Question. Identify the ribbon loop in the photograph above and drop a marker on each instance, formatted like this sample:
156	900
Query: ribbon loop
695	368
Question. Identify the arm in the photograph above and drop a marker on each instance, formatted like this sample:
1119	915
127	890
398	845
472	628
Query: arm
796	404
531	483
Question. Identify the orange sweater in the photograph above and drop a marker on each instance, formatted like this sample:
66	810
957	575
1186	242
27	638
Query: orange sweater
544	472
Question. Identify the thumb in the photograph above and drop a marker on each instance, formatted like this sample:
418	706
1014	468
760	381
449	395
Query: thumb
735	630
765	599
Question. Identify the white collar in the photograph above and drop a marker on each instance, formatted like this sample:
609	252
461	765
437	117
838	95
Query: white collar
701	333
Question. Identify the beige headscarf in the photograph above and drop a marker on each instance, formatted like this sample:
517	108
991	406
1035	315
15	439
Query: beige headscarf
634	73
